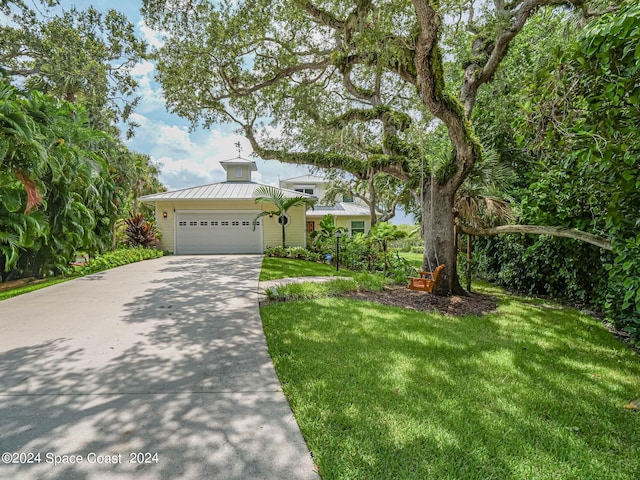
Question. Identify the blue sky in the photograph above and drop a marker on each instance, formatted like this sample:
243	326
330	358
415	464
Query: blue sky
187	158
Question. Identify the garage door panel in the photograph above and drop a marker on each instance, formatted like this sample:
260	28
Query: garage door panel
218	233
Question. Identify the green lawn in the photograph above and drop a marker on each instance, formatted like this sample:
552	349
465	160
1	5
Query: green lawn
414	258
14	292
274	268
533	391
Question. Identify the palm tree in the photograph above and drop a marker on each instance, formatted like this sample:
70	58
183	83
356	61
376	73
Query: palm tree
479	200
275	196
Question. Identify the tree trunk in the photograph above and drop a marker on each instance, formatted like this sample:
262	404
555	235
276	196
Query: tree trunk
439	238
282	219
114	230
469	252
372	203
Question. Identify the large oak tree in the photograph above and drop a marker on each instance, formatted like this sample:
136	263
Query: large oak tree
397	66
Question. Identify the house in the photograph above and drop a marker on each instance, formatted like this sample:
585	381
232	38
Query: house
349	213
219	218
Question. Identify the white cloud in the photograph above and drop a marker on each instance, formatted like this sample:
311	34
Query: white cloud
151	36
150	92
193	158
174	137
143	69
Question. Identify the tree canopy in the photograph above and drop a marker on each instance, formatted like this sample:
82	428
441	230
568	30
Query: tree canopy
65	176
79	55
387	72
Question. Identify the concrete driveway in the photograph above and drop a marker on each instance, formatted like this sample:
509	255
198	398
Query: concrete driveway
155	370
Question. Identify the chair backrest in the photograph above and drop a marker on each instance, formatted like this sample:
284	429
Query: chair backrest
436	273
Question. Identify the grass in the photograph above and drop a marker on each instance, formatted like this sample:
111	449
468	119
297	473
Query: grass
332	288
533	391
14	292
415	258
274	268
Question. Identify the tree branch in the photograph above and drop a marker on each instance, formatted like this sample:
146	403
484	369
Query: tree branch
537	230
321	16
475	74
430	75
285	72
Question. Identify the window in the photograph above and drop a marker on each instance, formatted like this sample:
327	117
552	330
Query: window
224	224
246	223
309	190
235	224
182	223
204	224
357	226
237	172
283	220
214	224
347	198
193	224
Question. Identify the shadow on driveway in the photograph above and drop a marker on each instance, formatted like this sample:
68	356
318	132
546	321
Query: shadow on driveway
163	357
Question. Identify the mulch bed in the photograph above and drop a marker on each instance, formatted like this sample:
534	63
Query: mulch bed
398	296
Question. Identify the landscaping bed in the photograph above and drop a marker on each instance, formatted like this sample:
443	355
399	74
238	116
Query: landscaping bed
399	296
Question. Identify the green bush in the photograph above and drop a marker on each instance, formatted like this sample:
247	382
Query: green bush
623	295
544	266
332	288
118	258
299	253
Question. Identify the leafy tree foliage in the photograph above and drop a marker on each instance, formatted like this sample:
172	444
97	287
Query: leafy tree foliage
609	140
61	186
574	143
373	70
64	177
80	56
60	176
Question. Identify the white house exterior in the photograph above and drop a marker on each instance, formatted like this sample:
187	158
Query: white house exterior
351	214
219	217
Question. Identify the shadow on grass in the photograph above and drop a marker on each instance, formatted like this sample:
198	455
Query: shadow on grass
527	392
275	268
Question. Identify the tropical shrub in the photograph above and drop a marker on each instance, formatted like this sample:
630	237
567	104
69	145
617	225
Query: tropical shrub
299	253
141	232
117	258
382	234
57	193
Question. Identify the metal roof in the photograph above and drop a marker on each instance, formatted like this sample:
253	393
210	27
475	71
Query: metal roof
304	179
218	191
341	209
239	161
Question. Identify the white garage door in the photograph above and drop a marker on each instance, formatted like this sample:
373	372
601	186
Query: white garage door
212	232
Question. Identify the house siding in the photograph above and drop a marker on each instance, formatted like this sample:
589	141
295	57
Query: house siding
272	234
343	222
295	231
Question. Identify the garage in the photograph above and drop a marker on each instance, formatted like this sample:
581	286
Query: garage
218	217
218	232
